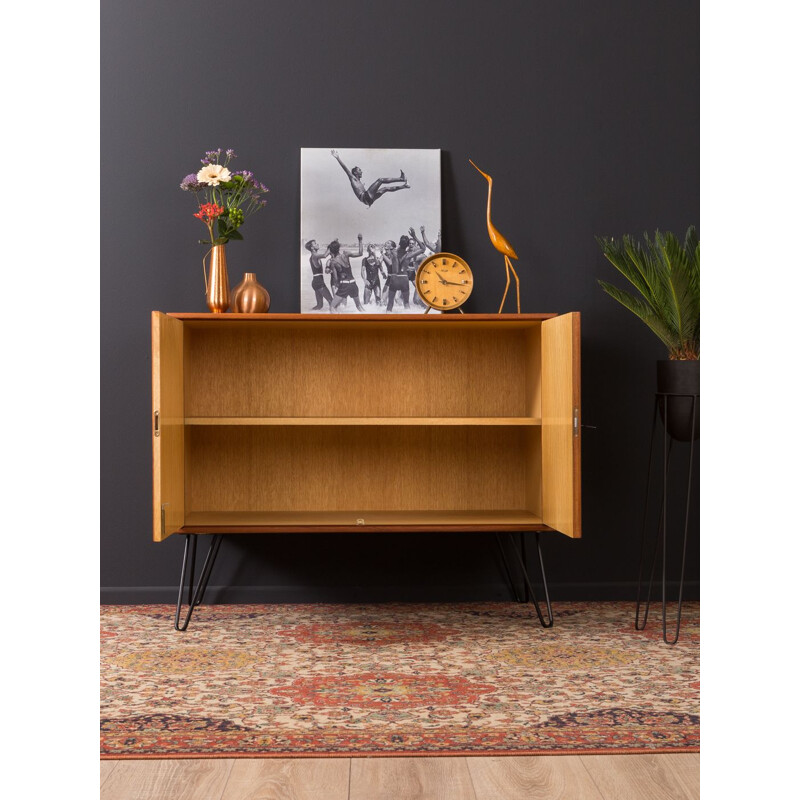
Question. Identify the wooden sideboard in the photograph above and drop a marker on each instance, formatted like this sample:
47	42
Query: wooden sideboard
296	423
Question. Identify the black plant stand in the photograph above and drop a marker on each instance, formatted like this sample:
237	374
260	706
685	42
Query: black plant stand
662	400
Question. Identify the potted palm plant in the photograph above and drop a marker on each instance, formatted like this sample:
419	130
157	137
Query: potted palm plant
666	275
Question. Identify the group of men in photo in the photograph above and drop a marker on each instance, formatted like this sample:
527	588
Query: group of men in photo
393	263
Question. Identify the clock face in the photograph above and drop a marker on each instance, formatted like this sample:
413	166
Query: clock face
444	281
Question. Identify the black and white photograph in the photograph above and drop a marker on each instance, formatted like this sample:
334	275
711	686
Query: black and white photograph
368	218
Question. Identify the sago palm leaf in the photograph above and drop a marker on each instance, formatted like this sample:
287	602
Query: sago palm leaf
692	247
675	283
644	311
666	274
629	259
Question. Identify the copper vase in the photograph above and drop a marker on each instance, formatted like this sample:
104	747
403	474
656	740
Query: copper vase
250	297
217	287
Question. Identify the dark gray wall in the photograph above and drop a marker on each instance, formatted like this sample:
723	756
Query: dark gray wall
586	114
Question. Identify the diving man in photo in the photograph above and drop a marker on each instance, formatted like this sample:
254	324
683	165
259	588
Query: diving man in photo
376	189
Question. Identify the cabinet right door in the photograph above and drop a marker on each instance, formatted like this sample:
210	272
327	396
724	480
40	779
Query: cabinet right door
561	424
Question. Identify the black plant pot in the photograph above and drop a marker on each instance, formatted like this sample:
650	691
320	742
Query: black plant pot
679	378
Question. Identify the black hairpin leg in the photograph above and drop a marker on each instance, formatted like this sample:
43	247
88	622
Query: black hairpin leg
661	536
507	570
195	595
644	532
530	594
527	594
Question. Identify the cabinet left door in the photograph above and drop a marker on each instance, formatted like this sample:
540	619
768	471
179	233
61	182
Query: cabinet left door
168	427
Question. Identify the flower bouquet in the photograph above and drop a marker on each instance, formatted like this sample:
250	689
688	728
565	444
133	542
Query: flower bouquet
224	198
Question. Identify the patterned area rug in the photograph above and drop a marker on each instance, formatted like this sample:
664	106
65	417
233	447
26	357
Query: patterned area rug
395	679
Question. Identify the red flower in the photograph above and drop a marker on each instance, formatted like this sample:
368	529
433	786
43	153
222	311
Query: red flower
209	211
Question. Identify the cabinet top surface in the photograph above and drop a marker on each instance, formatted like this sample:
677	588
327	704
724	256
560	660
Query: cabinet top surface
402	318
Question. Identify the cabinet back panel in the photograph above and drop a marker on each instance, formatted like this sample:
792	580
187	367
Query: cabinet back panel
362	370
401	468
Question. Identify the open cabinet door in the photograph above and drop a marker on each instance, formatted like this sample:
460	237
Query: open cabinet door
561	423
168	426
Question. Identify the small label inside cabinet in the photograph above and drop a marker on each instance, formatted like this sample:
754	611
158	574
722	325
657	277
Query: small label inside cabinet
360	521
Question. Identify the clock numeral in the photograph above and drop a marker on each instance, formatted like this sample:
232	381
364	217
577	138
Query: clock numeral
444	262
423	280
444	302
462	291
462	272
435	298
427	291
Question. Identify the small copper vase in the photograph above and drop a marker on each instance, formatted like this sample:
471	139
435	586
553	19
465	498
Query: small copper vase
250	297
217	286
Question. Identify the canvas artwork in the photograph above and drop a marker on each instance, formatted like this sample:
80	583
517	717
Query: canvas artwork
368	219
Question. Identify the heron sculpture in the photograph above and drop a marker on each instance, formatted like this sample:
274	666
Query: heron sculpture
500	242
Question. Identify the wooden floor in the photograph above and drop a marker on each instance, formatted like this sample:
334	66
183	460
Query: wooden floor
618	777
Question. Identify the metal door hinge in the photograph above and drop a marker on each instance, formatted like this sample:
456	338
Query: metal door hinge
576	428
164	520
156	430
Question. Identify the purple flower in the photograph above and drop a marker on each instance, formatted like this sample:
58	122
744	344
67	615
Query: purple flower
212	156
247	176
230	154
190	183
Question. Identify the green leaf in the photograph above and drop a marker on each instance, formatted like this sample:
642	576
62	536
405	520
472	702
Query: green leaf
666	274
642	310
234	234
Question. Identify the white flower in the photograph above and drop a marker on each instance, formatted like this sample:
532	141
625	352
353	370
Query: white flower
214	174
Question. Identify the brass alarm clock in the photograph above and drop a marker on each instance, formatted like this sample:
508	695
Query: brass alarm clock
444	282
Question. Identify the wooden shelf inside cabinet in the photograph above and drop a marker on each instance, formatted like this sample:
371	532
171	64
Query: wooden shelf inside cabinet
360	421
358	521
273	422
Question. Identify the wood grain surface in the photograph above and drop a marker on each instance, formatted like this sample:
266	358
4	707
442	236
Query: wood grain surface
561	442
173	779
539	778
295	370
364	416
289	779
359	470
362	421
564	777
168	445
410	779
380	319
652	777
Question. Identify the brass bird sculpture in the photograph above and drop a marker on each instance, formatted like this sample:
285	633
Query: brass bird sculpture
500	242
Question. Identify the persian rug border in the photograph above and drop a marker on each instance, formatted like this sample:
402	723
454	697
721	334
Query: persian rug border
597	751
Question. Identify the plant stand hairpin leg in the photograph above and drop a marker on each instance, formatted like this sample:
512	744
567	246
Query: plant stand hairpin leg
530	594
644	531
195	594
661	534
